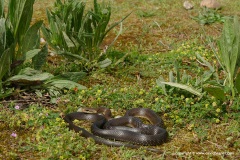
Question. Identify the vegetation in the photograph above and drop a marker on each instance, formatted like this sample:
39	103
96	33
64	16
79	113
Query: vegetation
77	33
161	63
228	59
20	43
208	16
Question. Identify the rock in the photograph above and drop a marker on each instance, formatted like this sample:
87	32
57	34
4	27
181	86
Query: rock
187	5
213	4
42	41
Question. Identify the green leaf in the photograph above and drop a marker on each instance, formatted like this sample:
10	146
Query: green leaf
185	77
69	54
105	63
184	87
2	36
176	67
1	8
31	38
5	63
40	59
20	14
29	76
215	91
47	35
68	41
61	84
6	93
160	83
237	83
30	54
205	62
171	77
72	76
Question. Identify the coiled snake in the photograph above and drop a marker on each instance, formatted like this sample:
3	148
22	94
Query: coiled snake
128	128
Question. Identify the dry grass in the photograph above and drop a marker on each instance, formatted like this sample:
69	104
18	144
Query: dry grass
168	24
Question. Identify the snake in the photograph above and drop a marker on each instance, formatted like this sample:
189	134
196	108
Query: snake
128	130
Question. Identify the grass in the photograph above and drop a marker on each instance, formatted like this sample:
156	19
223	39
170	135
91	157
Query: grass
198	128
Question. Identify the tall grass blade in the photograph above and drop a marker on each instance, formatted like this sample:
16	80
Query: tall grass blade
2	36
1	8
20	15
5	61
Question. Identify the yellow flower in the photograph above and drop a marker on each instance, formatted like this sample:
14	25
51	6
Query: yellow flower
206	105
58	119
18	123
24	117
75	121
156	99
99	99
190	127
139	101
217	120
83	91
141	92
99	91
123	89
214	104
81	157
168	106
218	110
187	99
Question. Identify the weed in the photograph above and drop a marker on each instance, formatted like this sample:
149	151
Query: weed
208	16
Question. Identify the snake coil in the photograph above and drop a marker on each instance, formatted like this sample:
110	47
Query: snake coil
128	131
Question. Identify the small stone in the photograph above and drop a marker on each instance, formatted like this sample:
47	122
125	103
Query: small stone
187	5
52	54
229	139
42	41
212	4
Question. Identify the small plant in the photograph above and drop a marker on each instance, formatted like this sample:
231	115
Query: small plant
229	59
146	14
208	16
20	43
229	54
77	33
185	81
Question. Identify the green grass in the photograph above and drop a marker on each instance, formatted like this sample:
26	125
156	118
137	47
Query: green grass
196	126
192	123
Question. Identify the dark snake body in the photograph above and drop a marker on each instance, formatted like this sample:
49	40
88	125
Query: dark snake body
106	130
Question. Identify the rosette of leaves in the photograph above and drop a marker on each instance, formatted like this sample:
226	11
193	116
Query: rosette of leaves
229	55
78	33
20	43
208	16
180	82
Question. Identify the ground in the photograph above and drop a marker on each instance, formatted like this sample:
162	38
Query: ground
155	34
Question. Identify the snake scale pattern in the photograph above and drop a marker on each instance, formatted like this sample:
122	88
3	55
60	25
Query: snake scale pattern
128	131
